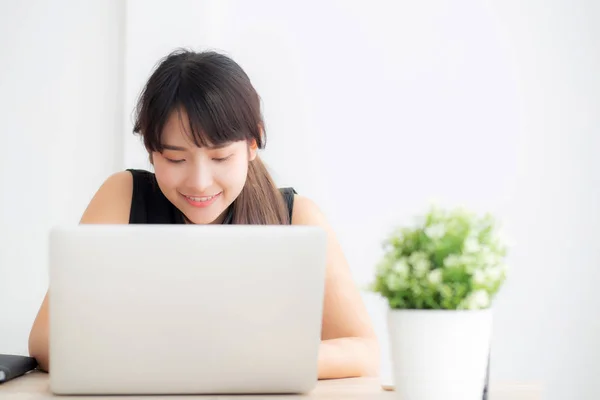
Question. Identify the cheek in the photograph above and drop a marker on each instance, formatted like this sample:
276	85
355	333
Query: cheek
234	175
167	176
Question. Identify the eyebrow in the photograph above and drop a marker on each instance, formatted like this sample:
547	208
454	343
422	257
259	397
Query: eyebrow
179	148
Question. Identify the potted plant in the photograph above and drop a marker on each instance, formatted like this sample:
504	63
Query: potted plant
439	277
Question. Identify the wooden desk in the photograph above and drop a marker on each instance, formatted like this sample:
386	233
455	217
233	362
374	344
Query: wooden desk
34	386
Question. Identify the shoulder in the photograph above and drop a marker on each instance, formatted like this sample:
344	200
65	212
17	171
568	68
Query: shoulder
111	203
306	212
140	175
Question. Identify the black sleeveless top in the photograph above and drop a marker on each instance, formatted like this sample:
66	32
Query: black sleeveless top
150	206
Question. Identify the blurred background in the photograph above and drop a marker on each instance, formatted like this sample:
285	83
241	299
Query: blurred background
372	108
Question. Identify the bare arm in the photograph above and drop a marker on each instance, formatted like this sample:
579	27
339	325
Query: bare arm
349	346
110	205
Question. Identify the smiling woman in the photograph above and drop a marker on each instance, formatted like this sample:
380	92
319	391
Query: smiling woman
200	120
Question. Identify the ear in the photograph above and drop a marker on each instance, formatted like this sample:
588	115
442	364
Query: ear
252	150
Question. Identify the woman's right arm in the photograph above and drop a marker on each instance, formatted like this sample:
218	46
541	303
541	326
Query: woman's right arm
110	205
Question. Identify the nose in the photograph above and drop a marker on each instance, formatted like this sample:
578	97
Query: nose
200	178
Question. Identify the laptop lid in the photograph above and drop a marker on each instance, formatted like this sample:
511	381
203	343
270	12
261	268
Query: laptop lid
169	309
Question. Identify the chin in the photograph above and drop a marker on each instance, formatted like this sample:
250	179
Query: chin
202	217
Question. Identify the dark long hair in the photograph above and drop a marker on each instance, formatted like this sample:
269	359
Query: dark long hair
222	106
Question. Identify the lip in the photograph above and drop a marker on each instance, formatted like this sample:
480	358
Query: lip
202	204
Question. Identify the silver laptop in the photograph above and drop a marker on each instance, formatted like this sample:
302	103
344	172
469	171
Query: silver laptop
185	309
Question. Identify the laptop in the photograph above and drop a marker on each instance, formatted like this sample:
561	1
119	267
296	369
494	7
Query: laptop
185	309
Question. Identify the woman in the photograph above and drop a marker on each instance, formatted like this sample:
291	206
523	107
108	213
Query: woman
200	121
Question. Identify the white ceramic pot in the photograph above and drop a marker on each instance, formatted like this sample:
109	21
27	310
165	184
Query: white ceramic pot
439	354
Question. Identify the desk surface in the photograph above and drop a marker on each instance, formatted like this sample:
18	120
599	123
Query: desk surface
35	386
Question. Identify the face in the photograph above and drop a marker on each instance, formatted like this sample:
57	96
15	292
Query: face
201	182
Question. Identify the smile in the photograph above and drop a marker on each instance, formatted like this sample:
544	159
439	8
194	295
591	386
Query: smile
203	201
206	198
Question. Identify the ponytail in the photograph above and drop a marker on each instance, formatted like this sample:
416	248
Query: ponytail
260	201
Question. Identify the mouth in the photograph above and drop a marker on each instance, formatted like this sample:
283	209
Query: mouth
203	201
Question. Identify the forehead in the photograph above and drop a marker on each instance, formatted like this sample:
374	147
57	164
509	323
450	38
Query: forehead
178	135
177	130
200	129
178	124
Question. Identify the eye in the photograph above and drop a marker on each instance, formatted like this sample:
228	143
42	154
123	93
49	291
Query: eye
222	159
174	161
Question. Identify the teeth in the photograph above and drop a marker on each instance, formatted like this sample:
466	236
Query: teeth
200	199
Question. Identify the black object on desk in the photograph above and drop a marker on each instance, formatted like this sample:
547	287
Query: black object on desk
13	366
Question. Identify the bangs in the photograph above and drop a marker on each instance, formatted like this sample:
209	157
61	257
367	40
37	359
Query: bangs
219	106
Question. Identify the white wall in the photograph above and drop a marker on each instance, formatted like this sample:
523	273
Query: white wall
486	103
61	73
493	104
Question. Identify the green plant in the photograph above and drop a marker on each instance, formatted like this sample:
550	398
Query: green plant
450	259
